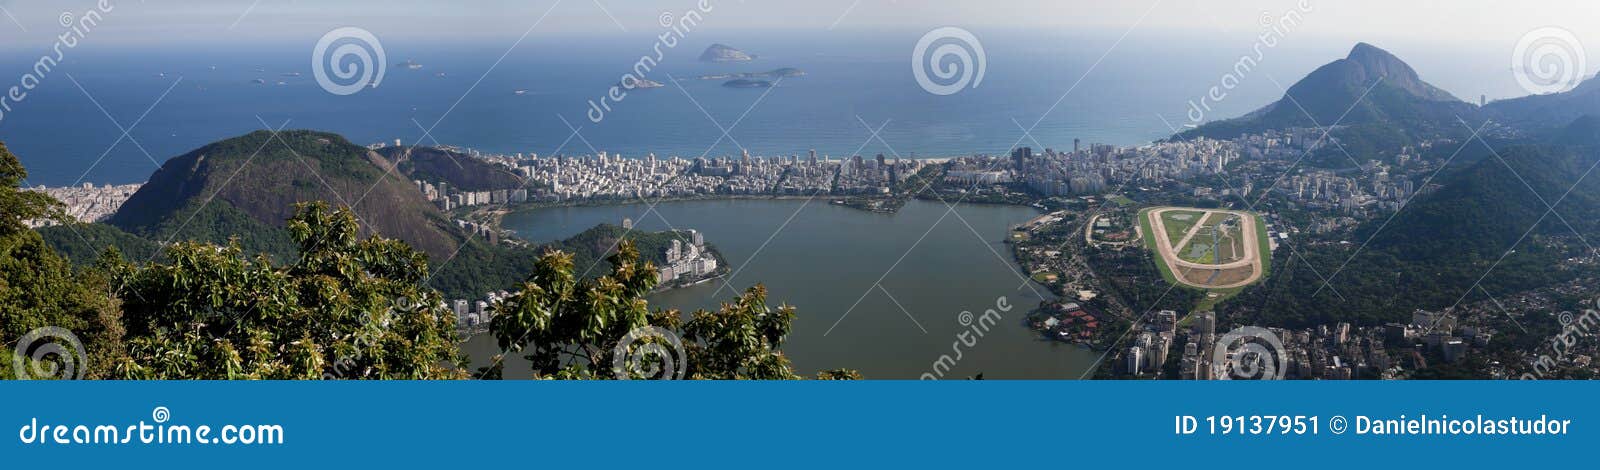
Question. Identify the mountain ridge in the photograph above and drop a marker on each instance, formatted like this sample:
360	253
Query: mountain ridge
1370	89
1551	110
461	171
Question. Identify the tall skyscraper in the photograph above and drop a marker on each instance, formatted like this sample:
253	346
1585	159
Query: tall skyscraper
1020	157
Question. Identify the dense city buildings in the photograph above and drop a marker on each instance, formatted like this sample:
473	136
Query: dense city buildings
611	177
688	262
88	203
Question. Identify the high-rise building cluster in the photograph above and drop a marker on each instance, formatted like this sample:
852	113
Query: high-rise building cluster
688	260
474	315
447	198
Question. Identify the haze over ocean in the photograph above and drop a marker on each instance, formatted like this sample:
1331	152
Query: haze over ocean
60	131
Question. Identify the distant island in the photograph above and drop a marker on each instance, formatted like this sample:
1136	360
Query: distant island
747	83
786	72
643	83
725	53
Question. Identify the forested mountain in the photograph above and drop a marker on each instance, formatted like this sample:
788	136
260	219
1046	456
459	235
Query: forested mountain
1399	108
247	186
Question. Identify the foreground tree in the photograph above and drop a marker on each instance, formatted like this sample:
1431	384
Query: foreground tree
569	328
41	293
347	309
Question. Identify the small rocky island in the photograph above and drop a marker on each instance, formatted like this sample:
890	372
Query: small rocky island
642	83
725	53
747	83
786	72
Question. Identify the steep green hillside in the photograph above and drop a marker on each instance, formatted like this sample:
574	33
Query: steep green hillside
246	187
1434	251
1551	110
85	242
1399	109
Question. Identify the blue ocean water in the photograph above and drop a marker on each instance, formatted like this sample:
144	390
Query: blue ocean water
854	80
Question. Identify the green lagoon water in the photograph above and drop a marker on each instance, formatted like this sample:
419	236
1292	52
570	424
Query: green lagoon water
828	262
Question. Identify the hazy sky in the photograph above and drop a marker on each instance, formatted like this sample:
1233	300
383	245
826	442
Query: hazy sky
1455	21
